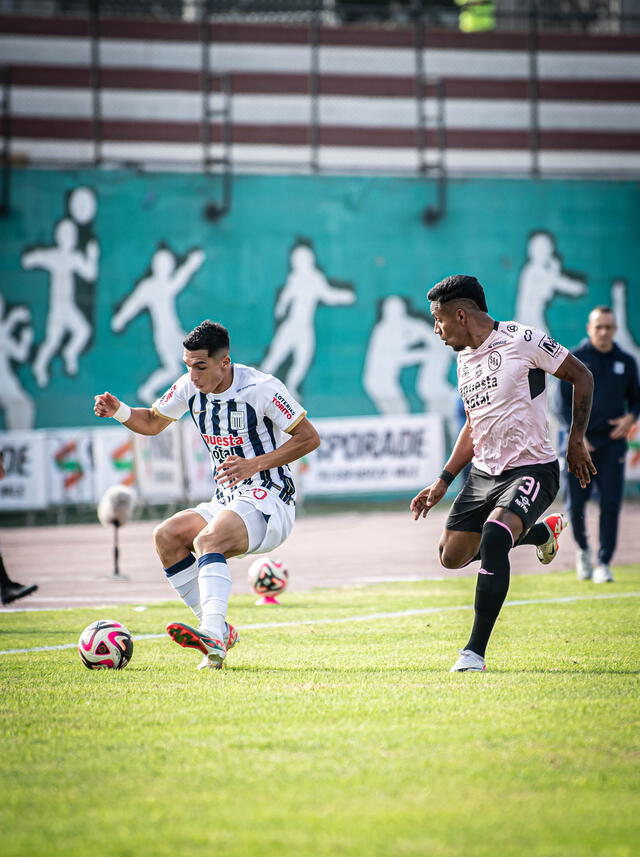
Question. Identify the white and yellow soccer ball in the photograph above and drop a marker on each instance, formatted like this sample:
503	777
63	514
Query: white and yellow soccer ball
268	576
105	645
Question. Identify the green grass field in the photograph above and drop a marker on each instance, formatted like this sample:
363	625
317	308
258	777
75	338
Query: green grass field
333	737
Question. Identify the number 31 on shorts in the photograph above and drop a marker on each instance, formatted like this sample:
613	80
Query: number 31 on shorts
529	487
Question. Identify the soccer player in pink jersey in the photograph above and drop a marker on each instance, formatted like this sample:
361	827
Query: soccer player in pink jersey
515	472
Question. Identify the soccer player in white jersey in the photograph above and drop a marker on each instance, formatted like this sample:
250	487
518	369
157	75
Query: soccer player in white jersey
515	472
253	429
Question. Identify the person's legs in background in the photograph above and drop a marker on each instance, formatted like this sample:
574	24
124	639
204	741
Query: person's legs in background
575	504
610	482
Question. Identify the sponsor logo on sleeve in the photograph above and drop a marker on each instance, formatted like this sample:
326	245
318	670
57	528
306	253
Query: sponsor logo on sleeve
281	403
512	328
168	395
548	344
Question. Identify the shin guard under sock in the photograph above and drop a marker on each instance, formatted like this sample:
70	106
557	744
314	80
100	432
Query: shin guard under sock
492	584
183	576
215	589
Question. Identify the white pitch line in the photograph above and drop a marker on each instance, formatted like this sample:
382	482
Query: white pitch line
421	611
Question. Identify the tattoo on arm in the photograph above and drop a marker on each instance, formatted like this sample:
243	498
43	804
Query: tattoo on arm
581	411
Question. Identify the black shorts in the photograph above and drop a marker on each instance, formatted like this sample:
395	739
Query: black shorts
528	491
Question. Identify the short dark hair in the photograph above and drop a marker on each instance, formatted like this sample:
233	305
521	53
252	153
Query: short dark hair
208	334
458	287
602	308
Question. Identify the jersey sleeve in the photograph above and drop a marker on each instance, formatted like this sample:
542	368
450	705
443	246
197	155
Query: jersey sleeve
280	406
541	349
174	403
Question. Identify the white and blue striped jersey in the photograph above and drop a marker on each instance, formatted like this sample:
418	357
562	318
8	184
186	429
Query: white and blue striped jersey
250	418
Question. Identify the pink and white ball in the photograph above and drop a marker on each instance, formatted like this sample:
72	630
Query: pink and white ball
105	645
268	578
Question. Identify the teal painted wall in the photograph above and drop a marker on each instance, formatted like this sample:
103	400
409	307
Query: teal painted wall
368	240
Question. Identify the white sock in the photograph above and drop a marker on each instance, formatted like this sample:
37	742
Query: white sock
183	576
215	589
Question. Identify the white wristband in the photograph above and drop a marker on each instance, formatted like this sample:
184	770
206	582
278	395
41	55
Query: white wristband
123	413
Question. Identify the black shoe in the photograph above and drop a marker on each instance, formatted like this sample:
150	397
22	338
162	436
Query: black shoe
12	591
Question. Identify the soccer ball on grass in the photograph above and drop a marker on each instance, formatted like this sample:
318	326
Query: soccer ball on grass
105	644
268	577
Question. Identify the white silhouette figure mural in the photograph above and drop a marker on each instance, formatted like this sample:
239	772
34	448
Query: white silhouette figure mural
399	340
157	295
295	338
541	279
16	336
624	338
66	263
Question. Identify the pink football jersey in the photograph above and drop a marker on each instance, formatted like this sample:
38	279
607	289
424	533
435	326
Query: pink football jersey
502	384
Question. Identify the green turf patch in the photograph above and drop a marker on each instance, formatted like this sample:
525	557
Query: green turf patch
333	737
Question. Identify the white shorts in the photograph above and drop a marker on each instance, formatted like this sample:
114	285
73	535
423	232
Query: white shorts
268	520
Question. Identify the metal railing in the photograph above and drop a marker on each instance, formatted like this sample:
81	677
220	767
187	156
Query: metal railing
531	17
601	16
5	117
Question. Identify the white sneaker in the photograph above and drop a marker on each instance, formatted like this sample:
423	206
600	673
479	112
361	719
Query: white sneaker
602	574
584	566
468	662
555	524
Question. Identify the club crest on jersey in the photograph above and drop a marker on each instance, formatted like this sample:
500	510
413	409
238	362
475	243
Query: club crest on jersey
495	359
236	421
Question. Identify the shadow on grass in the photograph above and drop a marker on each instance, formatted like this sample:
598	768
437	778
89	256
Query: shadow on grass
332	671
577	671
30	632
423	670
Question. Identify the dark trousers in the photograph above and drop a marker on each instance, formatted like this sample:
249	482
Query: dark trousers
609	462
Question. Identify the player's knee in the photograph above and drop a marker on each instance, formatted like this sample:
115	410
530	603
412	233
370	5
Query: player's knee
496	540
449	558
166	536
221	539
207	542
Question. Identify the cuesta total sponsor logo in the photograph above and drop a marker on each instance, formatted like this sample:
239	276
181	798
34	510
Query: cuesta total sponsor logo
489	382
223	440
283	406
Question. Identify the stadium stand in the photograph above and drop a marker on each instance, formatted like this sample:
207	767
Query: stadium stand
309	92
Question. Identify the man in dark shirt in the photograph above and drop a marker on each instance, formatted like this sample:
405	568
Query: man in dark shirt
616	406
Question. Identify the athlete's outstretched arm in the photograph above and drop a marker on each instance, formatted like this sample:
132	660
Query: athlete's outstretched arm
304	439
134	303
578	459
141	421
458	460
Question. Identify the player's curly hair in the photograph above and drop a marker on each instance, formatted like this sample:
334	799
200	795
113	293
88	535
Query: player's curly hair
458	287
208	334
